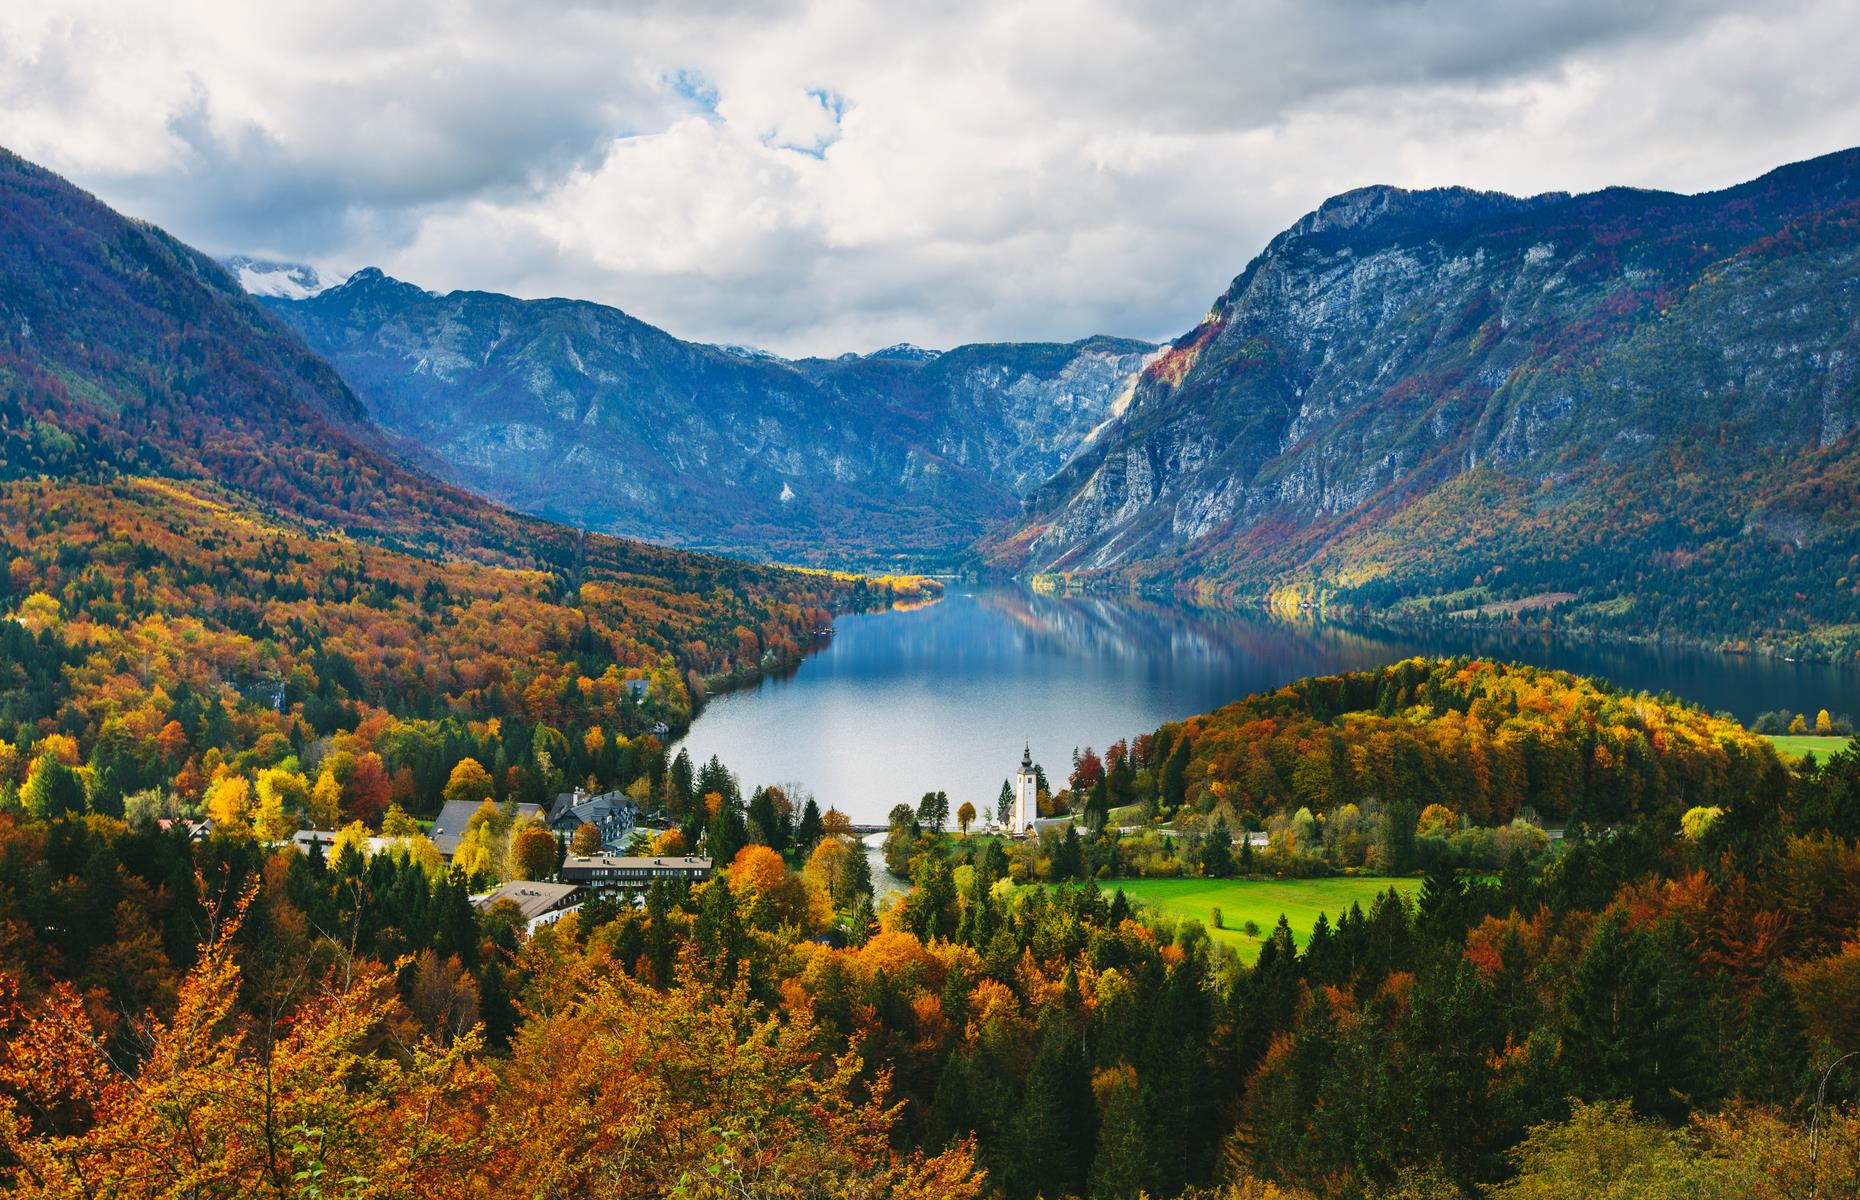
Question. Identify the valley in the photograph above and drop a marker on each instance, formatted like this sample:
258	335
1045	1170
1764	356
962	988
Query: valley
1390	742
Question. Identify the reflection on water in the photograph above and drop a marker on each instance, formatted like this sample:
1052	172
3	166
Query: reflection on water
943	696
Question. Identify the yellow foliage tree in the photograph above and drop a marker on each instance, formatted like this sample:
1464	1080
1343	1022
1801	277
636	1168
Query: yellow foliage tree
220	1107
469	782
228	801
396	823
679	1093
326	801
271	822
1437	820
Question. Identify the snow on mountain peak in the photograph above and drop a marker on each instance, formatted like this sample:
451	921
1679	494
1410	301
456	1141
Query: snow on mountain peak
267	277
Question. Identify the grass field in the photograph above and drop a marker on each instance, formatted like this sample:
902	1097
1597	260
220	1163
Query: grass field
1241	900
1795	745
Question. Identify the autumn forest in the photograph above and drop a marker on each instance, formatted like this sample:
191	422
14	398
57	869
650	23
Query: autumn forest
348	847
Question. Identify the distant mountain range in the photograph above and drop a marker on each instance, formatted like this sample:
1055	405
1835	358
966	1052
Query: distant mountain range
1628	410
1636	406
578	412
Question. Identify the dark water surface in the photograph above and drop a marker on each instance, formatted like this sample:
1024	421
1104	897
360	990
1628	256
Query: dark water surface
942	697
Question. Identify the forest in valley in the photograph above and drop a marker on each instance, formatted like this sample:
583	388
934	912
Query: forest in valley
1652	1001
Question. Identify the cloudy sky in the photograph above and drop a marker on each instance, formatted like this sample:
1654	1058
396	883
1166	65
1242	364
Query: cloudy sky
831	176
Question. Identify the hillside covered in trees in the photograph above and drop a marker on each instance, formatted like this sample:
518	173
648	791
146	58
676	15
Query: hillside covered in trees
210	558
1651	1004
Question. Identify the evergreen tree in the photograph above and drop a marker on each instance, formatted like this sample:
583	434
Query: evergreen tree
764	822
862	922
1120	1168
1769	1061
852	878
1004	804
1052	1132
680	785
1217	851
1069	856
718	930
807	831
1175	776
728	832
1632	1017
53	790
1098	806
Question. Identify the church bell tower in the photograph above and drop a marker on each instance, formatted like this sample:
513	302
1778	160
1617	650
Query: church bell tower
1026	793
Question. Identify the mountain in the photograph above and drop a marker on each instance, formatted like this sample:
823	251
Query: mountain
578	412
267	277
1633	406
202	527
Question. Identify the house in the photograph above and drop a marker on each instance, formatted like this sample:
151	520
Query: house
450	825
325	839
197	831
613	813
605	874
532	898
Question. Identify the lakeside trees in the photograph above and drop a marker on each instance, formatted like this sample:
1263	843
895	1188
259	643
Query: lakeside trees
1665	996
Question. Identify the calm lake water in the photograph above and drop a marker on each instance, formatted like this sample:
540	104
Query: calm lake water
942	697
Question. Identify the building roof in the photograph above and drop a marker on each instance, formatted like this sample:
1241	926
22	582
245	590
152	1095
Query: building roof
593	810
532	897
636	862
449	826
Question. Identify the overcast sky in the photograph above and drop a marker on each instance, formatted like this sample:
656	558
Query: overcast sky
833	176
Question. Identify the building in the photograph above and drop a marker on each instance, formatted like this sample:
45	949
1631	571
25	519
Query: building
1026	811
324	841
613	813
197	831
450	825
605	874
532	898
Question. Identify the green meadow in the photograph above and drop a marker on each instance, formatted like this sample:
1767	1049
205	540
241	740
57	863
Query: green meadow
1258	900
1795	745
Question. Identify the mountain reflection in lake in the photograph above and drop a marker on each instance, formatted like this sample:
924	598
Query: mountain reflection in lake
942	697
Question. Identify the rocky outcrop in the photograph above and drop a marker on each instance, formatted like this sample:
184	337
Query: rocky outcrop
1409	393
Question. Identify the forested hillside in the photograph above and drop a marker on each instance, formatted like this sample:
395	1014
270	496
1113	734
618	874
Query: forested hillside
213	562
1633	410
579	412
1652	1004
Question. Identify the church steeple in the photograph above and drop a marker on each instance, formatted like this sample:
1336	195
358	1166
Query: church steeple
1026	794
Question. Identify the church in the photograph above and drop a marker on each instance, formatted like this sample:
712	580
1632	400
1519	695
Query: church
1023	819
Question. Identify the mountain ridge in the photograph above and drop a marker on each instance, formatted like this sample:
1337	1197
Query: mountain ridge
581	412
1470	373
196	497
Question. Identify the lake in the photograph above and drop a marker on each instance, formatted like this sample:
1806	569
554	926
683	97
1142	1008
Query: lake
943	697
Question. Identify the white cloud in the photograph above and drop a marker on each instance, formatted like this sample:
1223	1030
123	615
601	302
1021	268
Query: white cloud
823	176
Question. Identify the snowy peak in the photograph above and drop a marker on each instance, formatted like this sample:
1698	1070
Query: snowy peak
752	353
267	277
902	352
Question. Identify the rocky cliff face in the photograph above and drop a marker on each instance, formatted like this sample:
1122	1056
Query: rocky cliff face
579	412
1419	394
